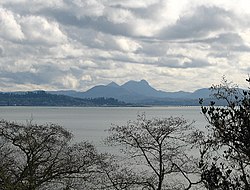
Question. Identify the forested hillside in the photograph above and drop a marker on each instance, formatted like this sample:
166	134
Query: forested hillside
41	98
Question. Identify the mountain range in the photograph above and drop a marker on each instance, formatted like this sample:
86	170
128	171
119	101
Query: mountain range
139	92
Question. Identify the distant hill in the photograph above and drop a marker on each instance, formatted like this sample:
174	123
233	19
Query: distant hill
140	92
42	98
142	88
131	93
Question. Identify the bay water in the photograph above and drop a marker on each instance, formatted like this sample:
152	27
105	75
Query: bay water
91	123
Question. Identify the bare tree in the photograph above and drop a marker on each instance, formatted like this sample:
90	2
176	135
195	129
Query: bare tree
112	175
156	151
41	156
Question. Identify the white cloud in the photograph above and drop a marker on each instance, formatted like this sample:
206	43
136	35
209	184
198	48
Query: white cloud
21	65
10	28
83	8
66	50
127	45
69	82
119	16
39	30
87	64
245	34
33	5
132	3
86	78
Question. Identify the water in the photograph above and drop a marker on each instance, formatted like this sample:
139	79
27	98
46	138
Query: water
90	123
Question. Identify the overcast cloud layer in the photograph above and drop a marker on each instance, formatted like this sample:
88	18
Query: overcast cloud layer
76	44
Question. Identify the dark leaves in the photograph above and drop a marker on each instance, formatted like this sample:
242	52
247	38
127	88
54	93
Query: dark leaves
229	133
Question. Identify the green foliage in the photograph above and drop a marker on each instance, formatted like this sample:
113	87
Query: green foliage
225	158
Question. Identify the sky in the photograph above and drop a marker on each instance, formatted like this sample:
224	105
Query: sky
77	44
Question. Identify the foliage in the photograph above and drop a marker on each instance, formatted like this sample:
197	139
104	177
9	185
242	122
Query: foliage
42	156
156	151
225	153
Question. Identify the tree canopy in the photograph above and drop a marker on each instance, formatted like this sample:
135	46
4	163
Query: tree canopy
225	158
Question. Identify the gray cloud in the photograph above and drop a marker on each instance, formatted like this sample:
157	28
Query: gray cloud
228	38
44	74
200	24
182	63
1	51
10	28
225	45
68	44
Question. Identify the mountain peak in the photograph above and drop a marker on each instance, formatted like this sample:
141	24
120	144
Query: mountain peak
113	84
140	87
137	83
144	82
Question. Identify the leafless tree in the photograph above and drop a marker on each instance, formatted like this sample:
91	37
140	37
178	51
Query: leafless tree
41	156
156	153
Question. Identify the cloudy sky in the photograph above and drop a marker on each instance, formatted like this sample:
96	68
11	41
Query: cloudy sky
77	44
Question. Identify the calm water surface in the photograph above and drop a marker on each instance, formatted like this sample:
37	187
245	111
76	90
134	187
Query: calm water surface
90	123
